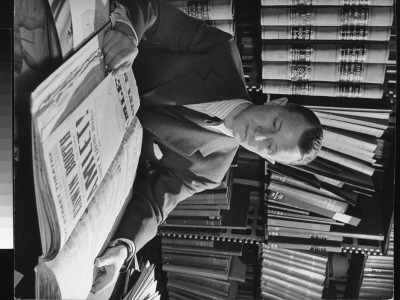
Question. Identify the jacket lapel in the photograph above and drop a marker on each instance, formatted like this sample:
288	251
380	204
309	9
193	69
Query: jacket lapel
182	135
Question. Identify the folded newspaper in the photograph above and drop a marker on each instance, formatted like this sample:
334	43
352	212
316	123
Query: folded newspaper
86	144
145	287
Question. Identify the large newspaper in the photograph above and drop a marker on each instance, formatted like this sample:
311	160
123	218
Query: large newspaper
71	273
86	145
79	117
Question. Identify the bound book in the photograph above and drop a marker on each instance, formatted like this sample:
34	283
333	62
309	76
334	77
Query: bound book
193	290
84	126
271	269
209	262
348	161
236	271
303	291
326	89
365	105
307	234
337	53
324	71
213	284
318	200
235	217
305	186
218	247
326	2
292	200
311	244
337	33
327	16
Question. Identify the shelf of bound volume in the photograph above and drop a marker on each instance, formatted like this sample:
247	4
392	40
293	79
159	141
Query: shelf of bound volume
210	244
337	58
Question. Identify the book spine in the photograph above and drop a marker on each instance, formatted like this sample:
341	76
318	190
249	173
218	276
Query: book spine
343	33
324	71
191	222
304	235
210	213
336	53
293	216
309	258
181	206
272	293
300	184
207	198
344	148
196	289
292	279
311	265
192	293
331	233
301	212
326	2
303	225
292	287
346	161
320	210
324	202
187	242
328	89
213	263
218	285
220	275
293	271
284	292
327	16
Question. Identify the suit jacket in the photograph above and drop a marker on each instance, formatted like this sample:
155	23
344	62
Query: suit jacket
181	61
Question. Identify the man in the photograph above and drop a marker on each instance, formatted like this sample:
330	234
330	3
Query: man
195	112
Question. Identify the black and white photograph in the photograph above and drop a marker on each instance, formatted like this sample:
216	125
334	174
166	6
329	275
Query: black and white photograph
203	149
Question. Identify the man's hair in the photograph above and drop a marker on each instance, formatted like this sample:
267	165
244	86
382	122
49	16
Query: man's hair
310	141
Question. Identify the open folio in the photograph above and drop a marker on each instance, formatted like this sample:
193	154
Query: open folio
86	145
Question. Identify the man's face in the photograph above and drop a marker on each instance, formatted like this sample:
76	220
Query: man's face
270	131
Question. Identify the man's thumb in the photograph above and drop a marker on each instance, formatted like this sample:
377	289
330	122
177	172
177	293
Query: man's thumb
102	261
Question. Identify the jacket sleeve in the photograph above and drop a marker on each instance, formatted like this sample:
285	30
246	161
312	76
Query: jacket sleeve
153	199
170	28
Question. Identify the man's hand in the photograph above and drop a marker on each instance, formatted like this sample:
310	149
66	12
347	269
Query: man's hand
109	264
119	50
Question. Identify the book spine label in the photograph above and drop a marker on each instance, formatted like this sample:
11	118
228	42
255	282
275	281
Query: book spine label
353	33
351	72
300	72
188	242
302	16
359	16
302	33
303	53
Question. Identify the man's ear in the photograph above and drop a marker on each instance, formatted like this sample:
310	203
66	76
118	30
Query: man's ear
277	102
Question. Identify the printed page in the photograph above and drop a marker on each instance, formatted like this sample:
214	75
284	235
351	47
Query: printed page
70	274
